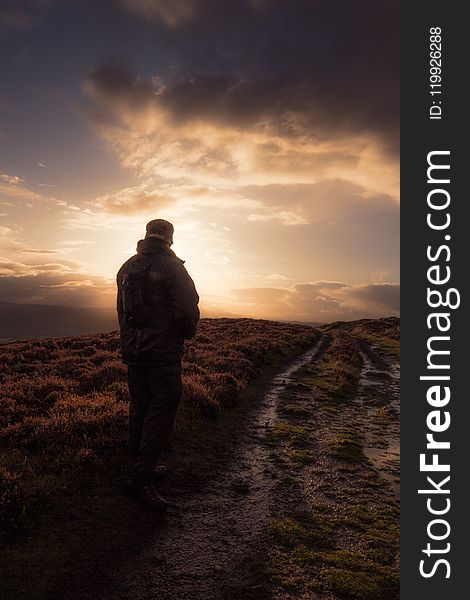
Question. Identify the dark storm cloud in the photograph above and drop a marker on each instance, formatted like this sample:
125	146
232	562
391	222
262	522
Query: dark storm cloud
171	12
327	67
115	79
20	15
13	18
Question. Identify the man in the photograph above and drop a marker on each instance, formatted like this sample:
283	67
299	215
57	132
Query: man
157	310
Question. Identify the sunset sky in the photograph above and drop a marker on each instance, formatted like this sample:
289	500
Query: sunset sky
267	131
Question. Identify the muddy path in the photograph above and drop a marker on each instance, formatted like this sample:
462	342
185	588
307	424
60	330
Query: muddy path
212	541
335	527
233	533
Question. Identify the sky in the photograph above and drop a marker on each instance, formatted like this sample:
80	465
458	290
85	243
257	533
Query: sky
266	131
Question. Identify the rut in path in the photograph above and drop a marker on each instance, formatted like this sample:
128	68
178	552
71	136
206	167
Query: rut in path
209	541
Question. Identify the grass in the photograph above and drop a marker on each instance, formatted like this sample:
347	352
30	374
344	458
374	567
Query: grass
310	559
389	345
292	434
348	547
299	458
304	530
336	375
63	430
64	402
383	332
63	424
363	582
346	447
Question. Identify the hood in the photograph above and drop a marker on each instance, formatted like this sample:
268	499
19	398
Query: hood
154	245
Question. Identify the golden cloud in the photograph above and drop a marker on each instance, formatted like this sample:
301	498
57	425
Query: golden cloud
322	301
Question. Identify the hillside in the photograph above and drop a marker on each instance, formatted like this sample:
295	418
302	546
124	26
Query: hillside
68	397
380	328
281	486
26	321
385	332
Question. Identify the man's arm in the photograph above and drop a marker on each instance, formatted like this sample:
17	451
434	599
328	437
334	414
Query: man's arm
119	303
185	300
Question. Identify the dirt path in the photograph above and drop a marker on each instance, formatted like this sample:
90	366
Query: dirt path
214	539
305	480
335	525
378	398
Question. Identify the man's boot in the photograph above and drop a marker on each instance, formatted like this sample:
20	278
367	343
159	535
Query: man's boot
146	494
149	497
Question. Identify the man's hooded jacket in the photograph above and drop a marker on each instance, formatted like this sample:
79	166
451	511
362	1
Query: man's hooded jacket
171	302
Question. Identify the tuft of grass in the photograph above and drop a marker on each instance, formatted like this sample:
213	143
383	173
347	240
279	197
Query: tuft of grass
294	410
311	559
363	584
385	332
313	531
390	346
346	447
299	458
287	432
337	374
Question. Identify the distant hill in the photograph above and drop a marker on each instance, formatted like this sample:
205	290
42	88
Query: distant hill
384	327
24	321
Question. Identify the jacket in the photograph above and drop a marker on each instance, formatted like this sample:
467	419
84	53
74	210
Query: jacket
171	302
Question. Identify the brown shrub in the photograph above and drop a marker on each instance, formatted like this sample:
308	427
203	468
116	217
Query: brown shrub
63	403
99	378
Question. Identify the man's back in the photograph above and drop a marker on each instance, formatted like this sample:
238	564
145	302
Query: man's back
170	300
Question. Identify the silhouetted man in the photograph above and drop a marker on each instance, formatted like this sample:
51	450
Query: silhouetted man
157	308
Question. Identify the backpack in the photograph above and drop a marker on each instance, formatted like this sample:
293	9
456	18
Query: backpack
132	287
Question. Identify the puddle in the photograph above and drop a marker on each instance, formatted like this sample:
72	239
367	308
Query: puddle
379	391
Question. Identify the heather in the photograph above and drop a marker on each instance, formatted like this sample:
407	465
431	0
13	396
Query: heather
63	417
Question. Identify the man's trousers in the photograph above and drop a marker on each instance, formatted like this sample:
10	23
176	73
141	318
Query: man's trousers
155	393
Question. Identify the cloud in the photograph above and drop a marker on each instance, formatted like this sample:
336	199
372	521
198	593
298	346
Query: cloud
21	15
11	179
13	189
327	202
276	120
131	201
14	18
157	129
121	89
54	283
38	250
170	12
322	301
277	277
10	242
325	67
41	275
19	269
376	294
257	92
